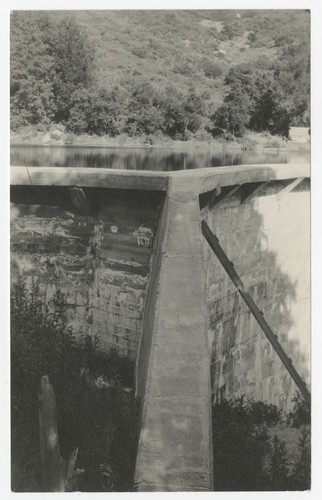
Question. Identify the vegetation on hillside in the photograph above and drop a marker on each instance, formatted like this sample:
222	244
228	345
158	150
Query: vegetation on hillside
178	74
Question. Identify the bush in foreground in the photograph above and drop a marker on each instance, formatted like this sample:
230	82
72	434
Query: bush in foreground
94	412
248	453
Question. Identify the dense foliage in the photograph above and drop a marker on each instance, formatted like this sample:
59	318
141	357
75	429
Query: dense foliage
31	71
249	456
94	412
49	62
301	413
264	97
177	73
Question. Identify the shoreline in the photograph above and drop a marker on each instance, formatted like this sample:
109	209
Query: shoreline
58	137
295	147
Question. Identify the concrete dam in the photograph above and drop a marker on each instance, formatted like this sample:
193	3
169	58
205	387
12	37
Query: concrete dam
127	249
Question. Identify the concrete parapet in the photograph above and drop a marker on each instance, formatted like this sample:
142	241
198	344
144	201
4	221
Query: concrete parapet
199	180
175	450
182	292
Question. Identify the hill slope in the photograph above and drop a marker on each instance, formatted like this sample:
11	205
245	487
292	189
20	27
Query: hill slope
191	52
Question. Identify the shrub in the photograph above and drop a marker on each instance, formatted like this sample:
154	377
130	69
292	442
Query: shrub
302	470
245	457
55	134
94	413
252	37
42	127
211	69
273	143
203	135
232	30
239	445
301	414
279	474
184	68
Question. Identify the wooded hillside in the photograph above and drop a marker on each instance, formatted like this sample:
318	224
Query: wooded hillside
178	74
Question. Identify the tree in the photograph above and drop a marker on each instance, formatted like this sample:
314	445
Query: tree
73	63
48	63
195	110
31	70
234	115
183	112
266	97
257	99
80	111
293	73
144	111
97	111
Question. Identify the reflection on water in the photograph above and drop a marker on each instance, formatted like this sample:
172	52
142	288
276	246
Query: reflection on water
143	159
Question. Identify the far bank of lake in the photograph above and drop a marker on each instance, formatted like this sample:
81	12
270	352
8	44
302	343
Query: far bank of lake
57	136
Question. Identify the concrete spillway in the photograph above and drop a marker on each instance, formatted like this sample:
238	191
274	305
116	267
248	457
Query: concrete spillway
127	249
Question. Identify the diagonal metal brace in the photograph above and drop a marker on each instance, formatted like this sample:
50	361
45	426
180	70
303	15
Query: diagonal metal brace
258	315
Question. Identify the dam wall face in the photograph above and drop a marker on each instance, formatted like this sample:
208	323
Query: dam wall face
268	241
128	250
100	259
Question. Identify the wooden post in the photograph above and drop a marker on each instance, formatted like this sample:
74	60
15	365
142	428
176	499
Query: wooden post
258	315
51	460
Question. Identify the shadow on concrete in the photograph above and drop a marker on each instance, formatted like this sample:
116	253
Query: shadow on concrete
242	359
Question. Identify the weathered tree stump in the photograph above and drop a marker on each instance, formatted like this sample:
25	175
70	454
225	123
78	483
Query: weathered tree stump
53	466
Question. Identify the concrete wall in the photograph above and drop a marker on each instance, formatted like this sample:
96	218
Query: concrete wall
175	448
149	316
134	264
268	241
100	261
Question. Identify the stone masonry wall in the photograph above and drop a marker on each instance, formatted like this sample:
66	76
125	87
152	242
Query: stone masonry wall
100	261
268	241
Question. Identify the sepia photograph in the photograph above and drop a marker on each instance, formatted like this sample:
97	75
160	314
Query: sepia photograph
160	250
